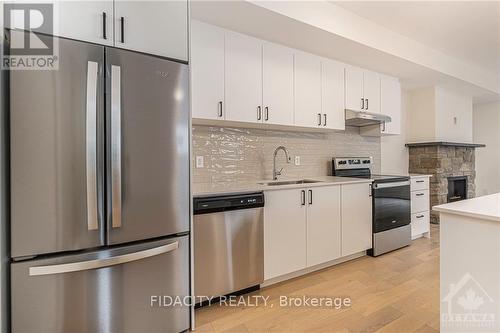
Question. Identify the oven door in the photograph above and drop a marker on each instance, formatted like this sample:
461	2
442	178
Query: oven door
391	205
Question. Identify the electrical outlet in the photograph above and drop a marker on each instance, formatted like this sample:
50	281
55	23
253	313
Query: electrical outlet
297	160
199	162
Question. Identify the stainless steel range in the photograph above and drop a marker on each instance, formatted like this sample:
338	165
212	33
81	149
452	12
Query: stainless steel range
391	203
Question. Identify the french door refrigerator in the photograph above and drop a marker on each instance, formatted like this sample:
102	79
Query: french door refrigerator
99	153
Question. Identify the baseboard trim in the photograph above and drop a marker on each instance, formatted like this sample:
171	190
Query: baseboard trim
311	269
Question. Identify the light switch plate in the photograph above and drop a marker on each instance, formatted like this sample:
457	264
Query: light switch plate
199	162
297	160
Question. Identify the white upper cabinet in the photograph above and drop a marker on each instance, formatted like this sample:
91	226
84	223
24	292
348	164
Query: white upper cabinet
390	104
332	94
371	91
277	84
243	78
90	21
156	27
362	90
207	71
323	225
307	90
354	89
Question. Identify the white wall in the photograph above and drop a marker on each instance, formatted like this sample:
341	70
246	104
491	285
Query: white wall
453	116
486	119
394	154
421	110
439	114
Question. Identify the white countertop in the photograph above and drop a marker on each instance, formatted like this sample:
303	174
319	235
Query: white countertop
486	207
208	189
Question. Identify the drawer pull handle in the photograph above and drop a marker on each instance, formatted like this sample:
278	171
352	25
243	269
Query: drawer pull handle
420	181
419	216
419	194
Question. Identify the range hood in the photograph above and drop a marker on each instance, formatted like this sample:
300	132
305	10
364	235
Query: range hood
361	119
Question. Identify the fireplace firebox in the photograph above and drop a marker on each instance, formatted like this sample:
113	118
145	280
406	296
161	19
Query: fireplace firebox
457	188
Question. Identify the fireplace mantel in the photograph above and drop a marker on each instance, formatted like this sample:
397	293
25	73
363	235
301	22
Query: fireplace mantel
445	143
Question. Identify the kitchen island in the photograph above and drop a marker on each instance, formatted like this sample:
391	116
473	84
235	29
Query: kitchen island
470	264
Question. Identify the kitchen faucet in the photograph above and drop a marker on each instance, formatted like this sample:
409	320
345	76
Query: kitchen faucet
278	173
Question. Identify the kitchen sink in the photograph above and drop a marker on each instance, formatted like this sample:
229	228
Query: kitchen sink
290	182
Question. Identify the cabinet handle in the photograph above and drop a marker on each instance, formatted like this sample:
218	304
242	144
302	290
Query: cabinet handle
383	126
122	28
367	103
419	181
310	197
259	113
362	104
266	112
303	198
324	118
219	110
319	119
419	216
370	190
104	36
419	194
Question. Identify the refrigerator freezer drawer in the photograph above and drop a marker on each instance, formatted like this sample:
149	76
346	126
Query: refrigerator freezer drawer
105	291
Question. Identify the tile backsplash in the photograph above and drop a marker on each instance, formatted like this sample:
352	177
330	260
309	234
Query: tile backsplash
237	154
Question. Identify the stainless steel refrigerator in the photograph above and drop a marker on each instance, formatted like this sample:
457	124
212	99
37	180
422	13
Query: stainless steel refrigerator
99	179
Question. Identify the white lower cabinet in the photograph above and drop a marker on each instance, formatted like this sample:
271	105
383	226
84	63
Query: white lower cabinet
311	226
323	224
356	218
420	224
284	232
420	207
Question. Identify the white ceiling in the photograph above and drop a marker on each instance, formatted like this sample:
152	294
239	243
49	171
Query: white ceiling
466	30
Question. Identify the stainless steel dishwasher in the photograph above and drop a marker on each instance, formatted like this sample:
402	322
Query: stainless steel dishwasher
228	243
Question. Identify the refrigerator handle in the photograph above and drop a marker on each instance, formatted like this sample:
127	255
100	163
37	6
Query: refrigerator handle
101	263
116	155
91	145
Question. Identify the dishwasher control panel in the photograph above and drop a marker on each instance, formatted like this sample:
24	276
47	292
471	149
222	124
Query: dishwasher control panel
227	202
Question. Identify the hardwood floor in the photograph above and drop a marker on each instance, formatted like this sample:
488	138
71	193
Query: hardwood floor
397	292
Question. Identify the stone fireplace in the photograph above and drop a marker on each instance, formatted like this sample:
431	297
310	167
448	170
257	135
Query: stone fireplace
452	166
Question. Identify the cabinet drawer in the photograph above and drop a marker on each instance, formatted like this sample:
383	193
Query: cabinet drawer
419	224
419	201
420	183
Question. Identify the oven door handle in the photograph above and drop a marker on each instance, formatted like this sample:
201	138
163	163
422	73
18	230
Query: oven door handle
393	184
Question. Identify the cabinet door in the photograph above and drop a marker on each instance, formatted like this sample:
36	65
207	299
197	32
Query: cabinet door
323	225
354	89
371	91
90	21
243	78
284	232
155	27
307	83
356	218
277	84
207	71
332	94
390	104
